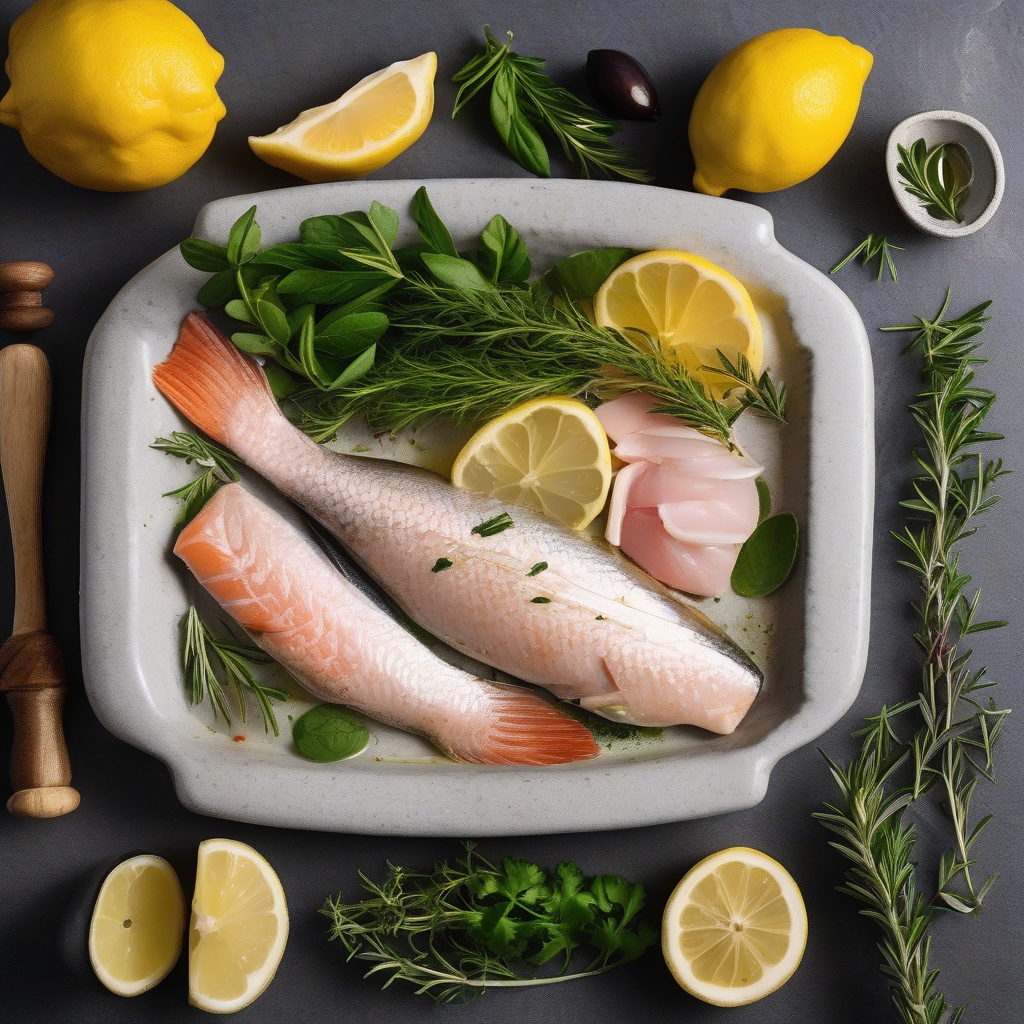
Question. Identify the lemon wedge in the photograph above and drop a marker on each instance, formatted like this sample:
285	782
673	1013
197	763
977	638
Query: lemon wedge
690	306
364	129
239	927
735	928
550	455
137	925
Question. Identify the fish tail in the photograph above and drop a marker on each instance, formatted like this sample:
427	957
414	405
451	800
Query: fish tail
524	729
214	385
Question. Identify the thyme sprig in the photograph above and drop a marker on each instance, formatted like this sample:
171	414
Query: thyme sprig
462	928
212	665
524	100
944	738
217	463
929	174
873	247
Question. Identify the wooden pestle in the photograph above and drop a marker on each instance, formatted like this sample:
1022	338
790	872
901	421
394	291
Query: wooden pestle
31	666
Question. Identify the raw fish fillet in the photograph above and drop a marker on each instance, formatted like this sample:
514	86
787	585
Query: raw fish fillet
537	600
277	584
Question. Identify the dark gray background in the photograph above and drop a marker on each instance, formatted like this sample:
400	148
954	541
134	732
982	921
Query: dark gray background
281	58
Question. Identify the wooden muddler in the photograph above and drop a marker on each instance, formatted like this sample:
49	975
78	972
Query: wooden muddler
32	672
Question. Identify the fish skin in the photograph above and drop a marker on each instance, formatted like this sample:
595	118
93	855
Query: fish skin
607	636
279	586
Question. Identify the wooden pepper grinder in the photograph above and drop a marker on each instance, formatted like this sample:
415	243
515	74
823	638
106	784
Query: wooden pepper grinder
32	669
21	296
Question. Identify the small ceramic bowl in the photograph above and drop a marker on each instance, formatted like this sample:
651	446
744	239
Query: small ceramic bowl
986	191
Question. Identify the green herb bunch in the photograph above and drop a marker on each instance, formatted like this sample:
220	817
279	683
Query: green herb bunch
524	101
943	740
939	176
349	324
462	928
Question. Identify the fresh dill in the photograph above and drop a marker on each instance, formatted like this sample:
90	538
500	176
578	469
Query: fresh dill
524	101
212	665
217	463
497	524
944	738
873	247
939	176
461	928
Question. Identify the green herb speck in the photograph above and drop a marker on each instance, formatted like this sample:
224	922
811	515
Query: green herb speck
540	600
442	564
538	568
493	526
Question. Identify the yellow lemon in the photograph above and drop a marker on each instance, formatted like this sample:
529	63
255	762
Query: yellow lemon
362	130
137	925
689	305
735	928
775	110
239	927
115	95
550	455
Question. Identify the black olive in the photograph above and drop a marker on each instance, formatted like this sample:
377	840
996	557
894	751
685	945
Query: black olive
621	86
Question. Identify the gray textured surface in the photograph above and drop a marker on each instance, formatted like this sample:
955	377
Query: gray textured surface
963	56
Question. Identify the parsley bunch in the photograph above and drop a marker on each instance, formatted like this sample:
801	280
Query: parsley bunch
462	928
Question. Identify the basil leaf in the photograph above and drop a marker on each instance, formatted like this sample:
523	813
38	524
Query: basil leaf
329	733
304	256
218	290
385	222
244	239
431	228
580	275
273	320
204	255
764	499
356	368
519	135
767	559
332	287
456	272
255	344
502	256
346	336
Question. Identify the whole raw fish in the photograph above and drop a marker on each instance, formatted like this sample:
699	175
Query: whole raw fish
507	586
279	586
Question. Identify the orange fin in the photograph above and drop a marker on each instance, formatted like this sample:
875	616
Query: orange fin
212	383
527	730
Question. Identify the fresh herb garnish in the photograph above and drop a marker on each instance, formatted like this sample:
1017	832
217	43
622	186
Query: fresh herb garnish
441	564
540	600
873	247
329	733
460	929
538	567
212	664
524	101
767	557
949	746
497	524
937	175
218	468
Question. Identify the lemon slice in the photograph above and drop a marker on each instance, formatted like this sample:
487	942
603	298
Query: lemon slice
735	928
364	129
137	925
550	455
239	927
690	306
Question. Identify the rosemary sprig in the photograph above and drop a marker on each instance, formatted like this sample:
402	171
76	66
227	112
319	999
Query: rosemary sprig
951	746
873	247
929	174
473	354
460	929
524	99
212	664
218	468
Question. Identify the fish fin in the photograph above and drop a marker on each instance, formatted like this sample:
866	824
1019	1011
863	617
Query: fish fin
213	384
524	729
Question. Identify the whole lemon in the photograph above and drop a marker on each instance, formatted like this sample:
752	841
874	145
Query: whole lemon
116	95
774	110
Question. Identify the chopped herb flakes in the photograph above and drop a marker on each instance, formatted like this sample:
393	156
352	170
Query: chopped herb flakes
540	600
442	564
538	568
493	526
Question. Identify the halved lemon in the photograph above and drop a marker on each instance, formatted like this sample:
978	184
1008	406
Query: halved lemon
137	925
239	927
364	129
550	455
735	927
687	304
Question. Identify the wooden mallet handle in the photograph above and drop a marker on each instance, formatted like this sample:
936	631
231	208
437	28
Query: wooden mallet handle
31	667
